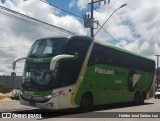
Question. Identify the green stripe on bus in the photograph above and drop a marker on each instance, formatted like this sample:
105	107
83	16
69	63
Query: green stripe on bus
36	93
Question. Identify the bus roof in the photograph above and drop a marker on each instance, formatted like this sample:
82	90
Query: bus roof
120	49
102	43
53	37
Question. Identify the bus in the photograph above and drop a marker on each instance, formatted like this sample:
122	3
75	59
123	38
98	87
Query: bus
80	71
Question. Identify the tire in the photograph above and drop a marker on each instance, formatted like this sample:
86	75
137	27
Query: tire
137	98
86	101
142	98
12	98
156	97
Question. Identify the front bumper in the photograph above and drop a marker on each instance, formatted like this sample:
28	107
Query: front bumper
39	102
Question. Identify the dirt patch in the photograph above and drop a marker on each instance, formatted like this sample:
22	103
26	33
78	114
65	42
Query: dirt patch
6	100
2	95
5	97
8	94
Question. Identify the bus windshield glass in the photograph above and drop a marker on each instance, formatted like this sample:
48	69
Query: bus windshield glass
38	75
47	47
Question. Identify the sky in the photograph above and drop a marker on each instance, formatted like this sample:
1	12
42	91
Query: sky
135	26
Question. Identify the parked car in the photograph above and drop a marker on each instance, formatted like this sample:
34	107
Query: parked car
15	94
157	94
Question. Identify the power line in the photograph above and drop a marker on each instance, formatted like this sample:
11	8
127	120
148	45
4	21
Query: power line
61	9
111	36
21	19
39	25
27	21
41	22
34	19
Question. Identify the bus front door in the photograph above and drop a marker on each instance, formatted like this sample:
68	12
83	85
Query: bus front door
65	97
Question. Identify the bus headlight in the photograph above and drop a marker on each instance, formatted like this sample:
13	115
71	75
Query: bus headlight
48	97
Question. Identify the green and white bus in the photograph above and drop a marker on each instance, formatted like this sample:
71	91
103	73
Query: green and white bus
79	71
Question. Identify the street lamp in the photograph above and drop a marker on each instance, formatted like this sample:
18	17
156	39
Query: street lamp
110	17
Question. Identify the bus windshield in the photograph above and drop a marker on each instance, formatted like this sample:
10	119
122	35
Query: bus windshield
39	75
47	47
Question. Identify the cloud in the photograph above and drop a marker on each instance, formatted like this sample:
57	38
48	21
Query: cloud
82	4
72	3
145	17
18	36
135	26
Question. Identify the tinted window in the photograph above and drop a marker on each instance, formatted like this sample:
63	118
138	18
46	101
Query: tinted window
69	70
77	45
104	55
47	47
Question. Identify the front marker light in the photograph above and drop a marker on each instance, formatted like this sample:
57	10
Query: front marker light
48	97
21	92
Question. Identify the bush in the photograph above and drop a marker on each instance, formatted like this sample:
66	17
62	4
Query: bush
5	88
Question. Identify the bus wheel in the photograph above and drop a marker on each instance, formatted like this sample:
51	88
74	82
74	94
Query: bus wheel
86	101
142	98
137	98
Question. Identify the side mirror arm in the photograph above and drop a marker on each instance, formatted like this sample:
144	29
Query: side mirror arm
59	57
16	60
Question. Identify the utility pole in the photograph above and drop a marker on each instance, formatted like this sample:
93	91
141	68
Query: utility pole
89	20
157	69
92	28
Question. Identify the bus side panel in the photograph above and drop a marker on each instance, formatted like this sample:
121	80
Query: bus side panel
109	84
113	76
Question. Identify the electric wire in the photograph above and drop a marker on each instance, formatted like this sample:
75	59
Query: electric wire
37	20
30	22
21	19
61	9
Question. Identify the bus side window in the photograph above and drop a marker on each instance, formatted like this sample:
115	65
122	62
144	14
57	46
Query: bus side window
109	56
97	55
101	55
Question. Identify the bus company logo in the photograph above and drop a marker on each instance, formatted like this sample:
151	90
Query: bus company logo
38	60
104	71
136	78
133	79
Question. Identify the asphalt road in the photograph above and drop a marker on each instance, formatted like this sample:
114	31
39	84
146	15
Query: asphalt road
118	112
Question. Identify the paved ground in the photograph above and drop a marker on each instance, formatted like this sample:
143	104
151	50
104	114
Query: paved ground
13	106
151	107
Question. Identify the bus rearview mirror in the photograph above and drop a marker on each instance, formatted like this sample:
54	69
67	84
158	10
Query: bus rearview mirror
16	60
60	57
